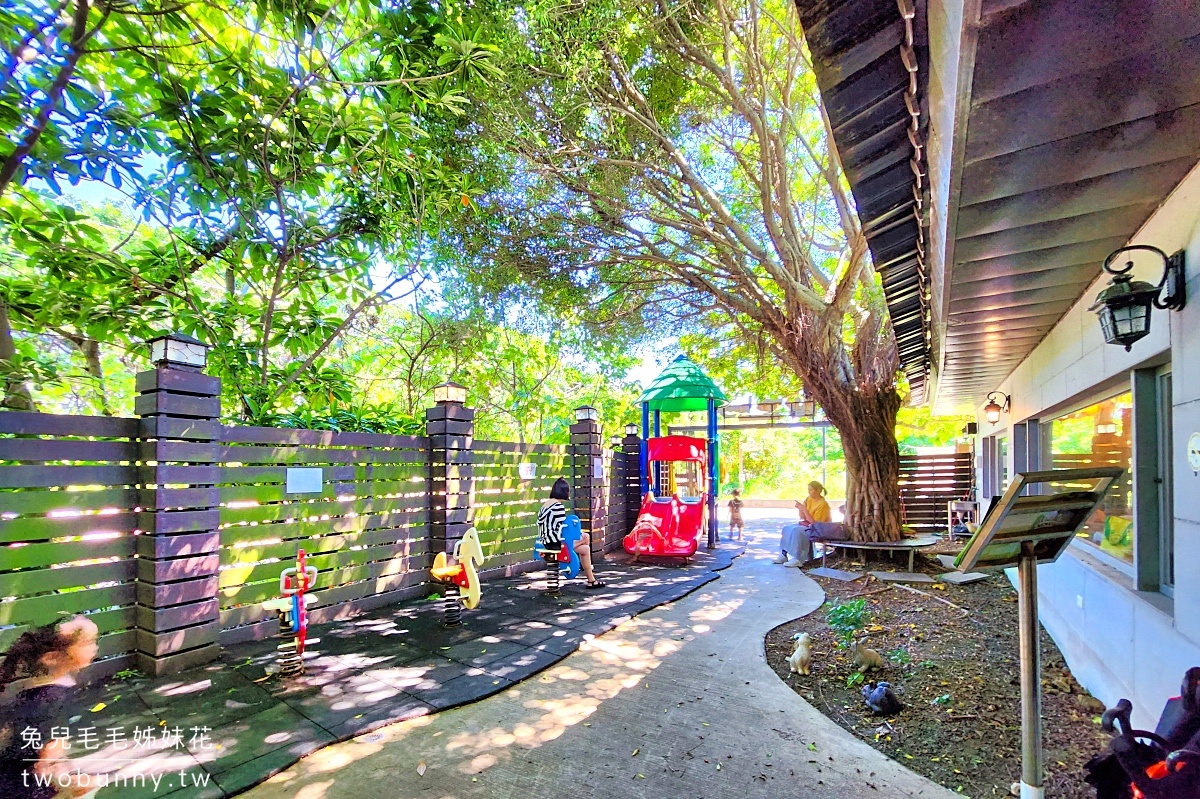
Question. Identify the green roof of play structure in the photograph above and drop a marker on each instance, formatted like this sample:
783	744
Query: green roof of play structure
682	386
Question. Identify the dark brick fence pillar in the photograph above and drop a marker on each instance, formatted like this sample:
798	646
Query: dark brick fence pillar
451	430
589	477
632	490
178	618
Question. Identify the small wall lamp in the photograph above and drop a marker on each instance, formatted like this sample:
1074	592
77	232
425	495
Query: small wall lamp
993	409
586	413
632	429
1124	307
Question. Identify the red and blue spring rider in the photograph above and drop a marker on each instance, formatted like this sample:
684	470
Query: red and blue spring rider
564	561
292	607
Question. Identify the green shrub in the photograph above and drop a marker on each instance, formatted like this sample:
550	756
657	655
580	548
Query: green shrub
846	619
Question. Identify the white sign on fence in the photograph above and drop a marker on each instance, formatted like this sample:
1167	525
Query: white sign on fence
304	480
597	468
527	471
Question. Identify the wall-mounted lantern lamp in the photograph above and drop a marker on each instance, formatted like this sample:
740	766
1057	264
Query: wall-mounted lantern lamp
449	392
1124	307
176	350
632	429
993	409
586	413
1106	429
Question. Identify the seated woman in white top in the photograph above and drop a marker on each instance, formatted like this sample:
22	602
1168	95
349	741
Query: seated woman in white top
550	519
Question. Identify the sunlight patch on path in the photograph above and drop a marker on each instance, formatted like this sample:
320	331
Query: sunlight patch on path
678	701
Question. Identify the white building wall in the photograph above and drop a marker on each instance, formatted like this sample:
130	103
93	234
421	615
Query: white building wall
1120	642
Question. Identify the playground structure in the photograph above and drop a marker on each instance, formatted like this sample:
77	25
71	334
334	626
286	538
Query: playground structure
460	576
564	561
292	608
669	524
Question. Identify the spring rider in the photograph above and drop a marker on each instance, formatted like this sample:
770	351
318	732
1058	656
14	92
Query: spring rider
292	607
565	558
460	575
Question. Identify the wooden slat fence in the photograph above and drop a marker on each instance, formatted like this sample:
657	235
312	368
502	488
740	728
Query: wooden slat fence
928	482
633	490
367	531
615	521
506	505
69	495
625	497
77	493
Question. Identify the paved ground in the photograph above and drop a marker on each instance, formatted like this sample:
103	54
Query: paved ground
677	702
236	725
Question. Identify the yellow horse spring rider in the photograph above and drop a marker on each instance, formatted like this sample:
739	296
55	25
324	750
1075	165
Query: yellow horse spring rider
460	575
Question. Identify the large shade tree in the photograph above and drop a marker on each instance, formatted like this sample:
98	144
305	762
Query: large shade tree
671	160
289	162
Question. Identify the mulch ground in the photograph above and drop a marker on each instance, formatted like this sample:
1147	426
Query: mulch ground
956	672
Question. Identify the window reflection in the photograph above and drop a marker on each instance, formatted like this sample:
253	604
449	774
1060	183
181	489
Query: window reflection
1002	463
1101	435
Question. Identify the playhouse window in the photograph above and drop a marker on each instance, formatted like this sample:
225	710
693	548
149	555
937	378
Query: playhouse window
685	479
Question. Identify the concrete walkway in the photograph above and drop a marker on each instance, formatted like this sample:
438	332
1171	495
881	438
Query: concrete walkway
678	702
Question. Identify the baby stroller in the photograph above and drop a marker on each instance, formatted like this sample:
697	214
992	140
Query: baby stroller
1164	764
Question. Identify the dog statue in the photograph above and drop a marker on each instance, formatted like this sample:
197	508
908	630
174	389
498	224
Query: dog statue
800	661
865	658
881	699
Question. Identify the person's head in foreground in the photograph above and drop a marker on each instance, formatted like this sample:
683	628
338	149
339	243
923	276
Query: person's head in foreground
51	652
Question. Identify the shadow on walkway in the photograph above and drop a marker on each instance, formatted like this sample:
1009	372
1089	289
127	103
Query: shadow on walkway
676	702
215	730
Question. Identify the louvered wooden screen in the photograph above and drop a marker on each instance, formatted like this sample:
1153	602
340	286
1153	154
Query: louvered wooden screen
928	482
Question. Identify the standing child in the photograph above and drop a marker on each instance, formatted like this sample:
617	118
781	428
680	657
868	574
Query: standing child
33	764
735	515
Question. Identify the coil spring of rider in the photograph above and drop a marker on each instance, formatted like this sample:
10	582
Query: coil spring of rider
452	607
291	663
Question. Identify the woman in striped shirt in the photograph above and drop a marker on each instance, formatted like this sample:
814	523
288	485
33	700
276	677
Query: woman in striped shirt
550	519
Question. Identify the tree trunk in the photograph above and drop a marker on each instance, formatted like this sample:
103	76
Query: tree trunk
91	358
90	350
864	412
873	511
16	393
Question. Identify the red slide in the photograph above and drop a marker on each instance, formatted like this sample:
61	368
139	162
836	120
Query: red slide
666	528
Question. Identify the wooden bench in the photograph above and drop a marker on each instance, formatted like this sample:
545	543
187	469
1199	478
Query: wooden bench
909	545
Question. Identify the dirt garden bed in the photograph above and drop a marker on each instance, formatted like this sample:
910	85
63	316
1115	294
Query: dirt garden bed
958	673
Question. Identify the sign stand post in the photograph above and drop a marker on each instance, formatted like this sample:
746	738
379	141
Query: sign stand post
1031	675
1024	531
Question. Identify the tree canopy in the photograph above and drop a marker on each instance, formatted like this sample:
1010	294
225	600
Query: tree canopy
670	162
352	202
289	165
